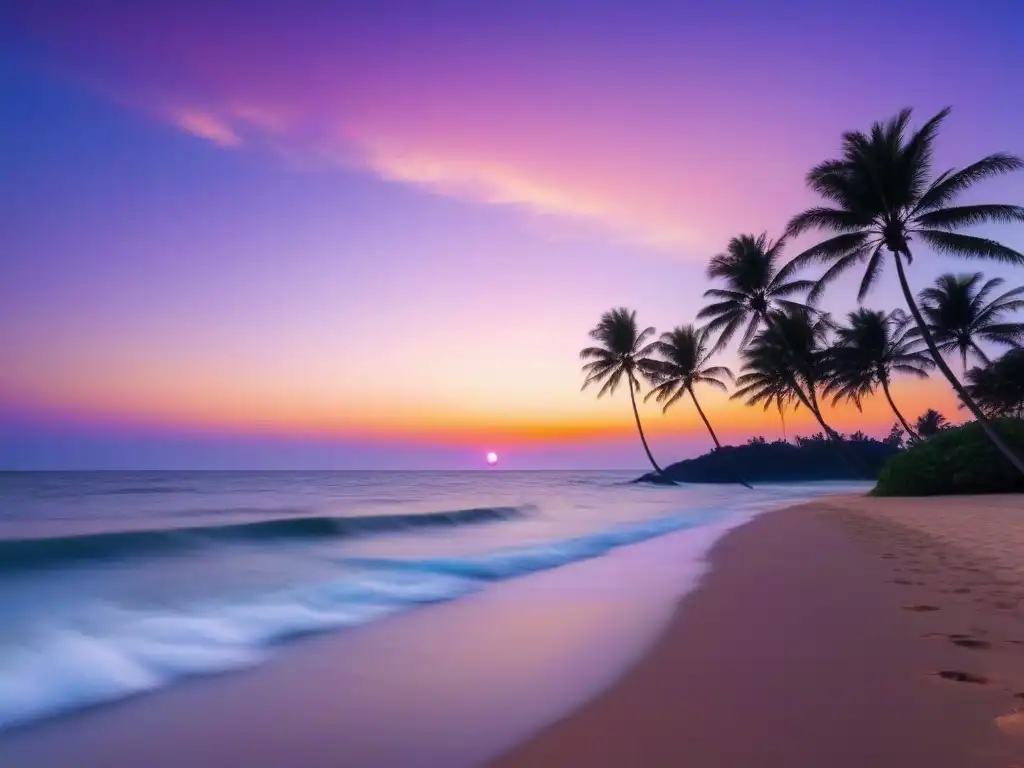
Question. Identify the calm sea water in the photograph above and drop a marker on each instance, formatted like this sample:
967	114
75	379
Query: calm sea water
113	584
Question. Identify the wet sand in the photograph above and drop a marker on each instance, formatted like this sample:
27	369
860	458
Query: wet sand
846	632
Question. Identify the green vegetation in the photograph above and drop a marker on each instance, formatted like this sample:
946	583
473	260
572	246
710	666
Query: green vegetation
879	195
957	460
809	459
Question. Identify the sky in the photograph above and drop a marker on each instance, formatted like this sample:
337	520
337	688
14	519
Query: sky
374	235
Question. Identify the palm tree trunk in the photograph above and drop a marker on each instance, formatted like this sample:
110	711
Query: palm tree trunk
830	434
986	425
718	445
906	426
640	429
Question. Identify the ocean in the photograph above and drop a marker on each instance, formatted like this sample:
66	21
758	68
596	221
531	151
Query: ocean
113	584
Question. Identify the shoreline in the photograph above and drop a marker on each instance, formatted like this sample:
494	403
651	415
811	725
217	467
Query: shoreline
461	681
829	633
793	649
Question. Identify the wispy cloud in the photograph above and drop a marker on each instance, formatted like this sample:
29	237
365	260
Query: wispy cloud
205	125
618	144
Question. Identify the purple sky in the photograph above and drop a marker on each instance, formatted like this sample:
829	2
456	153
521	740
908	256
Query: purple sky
360	235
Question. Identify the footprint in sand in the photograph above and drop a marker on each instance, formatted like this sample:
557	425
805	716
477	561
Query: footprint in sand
963	641
970	642
962	677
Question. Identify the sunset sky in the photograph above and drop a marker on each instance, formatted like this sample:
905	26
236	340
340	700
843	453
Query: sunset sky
359	235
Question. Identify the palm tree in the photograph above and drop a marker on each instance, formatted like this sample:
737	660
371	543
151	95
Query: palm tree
883	197
766	378
959	315
754	287
783	361
867	352
624	352
684	357
998	387
930	423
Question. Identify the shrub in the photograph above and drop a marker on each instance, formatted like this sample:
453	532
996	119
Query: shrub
958	460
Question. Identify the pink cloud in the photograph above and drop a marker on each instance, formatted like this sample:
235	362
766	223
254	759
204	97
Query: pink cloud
648	152
205	126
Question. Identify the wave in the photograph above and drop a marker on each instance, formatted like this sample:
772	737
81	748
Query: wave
31	553
117	653
516	561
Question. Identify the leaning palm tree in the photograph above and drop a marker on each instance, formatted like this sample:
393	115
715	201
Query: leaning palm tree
755	288
868	351
766	379
959	315
882	197
683	363
930	423
624	353
783	362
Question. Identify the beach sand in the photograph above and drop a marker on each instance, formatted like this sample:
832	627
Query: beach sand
818	639
815	640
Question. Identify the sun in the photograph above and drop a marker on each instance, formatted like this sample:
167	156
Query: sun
492	458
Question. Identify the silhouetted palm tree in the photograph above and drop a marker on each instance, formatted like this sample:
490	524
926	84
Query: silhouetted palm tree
884	197
766	378
959	314
868	350
750	269
683	362
998	387
930	423
755	288
624	353
785	360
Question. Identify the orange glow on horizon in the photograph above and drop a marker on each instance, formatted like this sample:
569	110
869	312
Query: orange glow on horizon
598	420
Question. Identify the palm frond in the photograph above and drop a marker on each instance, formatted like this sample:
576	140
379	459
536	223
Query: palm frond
872	273
969	215
969	247
830	219
834	247
947	188
833	272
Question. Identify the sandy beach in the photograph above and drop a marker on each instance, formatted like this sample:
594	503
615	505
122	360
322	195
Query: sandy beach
844	632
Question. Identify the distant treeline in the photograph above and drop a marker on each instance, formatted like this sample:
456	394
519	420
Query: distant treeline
810	458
